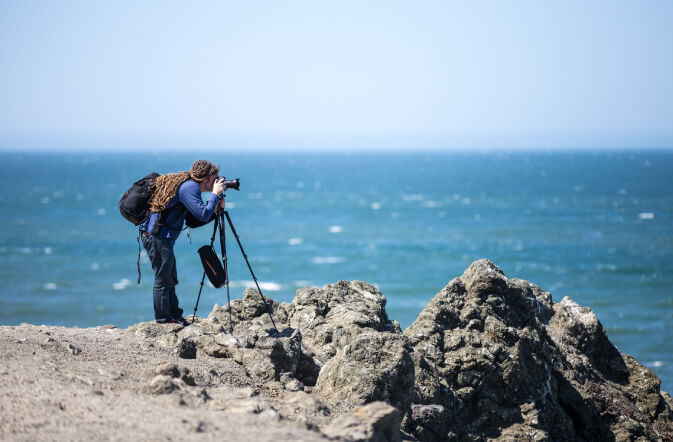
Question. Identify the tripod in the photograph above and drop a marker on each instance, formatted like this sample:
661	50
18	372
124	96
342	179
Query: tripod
219	224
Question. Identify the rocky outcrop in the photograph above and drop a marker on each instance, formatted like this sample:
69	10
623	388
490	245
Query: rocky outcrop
495	358
488	358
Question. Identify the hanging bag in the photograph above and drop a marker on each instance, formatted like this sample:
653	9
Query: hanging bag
212	265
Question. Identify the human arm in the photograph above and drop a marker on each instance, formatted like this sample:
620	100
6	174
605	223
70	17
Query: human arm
190	196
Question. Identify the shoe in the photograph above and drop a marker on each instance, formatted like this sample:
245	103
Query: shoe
181	320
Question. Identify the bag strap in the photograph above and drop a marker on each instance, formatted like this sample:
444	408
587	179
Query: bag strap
138	263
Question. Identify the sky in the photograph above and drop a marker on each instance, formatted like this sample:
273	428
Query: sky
330	75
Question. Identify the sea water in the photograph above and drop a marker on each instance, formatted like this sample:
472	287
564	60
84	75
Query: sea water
596	226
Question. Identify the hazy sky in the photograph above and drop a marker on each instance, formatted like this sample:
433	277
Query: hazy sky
319	74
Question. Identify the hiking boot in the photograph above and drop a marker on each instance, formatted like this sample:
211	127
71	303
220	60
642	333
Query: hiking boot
181	320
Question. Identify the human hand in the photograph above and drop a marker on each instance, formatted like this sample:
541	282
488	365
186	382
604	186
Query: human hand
218	187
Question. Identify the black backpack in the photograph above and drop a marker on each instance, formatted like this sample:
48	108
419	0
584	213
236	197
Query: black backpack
134	205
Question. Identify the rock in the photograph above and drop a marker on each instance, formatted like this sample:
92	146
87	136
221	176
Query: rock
175	371
271	356
489	357
186	349
375	366
578	333
74	350
250	314
496	358
376	422
331	317
153	329
428	423
163	384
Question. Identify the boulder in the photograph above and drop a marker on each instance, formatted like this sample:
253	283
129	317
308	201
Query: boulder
253	313
374	422
495	358
375	366
331	317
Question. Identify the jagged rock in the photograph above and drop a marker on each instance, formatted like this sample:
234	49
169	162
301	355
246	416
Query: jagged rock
489	357
250	314
375	366
272	356
331	317
428	423
374	422
504	362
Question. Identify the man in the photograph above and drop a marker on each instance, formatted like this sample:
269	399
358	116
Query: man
176	196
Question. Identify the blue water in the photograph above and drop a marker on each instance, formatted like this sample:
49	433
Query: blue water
595	226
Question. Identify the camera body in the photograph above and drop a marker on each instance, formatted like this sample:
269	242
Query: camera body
230	184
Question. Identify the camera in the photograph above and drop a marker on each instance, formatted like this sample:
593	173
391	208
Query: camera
230	184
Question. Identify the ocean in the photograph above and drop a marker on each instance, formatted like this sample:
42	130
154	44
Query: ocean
596	226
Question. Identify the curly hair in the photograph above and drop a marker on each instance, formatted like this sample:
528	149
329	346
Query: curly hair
165	187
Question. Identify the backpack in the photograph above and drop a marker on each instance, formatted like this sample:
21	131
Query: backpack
134	205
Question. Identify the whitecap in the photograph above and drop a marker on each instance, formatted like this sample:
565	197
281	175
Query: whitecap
101	211
300	184
656	364
295	241
376	206
431	204
327	260
48	250
45	200
646	215
95	266
50	286
335	229
412	197
230	205
25	250
121	285
269	286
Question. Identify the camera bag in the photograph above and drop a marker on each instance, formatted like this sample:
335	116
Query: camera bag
212	265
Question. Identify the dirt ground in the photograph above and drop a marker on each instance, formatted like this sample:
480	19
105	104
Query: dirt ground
106	383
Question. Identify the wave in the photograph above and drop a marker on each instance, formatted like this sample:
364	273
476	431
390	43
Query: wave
327	259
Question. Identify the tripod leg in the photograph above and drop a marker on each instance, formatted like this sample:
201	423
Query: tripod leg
240	246
223	246
212	241
198	297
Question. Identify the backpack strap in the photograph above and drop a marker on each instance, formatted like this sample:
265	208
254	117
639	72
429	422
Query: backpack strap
138	263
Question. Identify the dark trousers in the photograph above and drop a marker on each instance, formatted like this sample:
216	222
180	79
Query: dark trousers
160	252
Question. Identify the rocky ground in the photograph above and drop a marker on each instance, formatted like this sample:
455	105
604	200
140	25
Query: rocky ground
489	358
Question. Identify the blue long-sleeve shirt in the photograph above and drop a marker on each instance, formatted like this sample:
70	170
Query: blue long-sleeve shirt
173	216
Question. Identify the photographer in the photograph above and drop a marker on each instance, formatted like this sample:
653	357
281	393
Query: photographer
177	196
